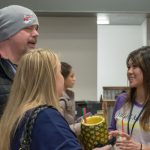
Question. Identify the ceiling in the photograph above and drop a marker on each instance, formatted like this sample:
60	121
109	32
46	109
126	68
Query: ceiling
126	19
115	18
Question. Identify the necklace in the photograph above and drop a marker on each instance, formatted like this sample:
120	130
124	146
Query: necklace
130	114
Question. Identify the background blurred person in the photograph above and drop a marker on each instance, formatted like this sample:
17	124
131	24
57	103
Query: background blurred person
67	102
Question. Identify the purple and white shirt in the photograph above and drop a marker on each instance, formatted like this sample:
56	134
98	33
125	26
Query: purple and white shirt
119	112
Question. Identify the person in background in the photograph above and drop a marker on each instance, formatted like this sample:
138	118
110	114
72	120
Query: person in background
67	101
50	130
18	34
131	115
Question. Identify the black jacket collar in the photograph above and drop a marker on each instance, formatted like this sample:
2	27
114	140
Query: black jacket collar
6	68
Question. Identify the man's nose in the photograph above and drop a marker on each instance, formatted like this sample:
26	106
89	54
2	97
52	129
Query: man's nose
35	32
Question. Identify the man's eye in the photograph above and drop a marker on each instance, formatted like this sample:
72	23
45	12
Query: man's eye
29	28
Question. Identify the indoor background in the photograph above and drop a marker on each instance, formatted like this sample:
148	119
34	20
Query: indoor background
96	52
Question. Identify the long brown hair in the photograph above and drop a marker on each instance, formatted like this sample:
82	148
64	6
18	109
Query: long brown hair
34	85
141	58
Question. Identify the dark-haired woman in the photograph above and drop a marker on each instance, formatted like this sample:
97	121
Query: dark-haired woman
132	111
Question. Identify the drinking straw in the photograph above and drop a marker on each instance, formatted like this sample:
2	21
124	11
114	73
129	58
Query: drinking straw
84	114
122	124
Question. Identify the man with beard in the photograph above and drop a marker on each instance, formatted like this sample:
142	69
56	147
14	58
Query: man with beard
18	34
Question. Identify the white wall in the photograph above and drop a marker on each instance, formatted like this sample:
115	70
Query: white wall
114	44
80	42
148	31
75	40
144	32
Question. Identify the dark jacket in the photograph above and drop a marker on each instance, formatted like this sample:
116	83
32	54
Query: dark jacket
50	132
6	79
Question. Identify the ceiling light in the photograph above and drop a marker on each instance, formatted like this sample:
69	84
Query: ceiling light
102	19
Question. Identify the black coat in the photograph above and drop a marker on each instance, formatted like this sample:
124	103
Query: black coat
6	79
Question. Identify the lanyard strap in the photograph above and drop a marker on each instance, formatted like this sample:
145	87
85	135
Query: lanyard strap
128	127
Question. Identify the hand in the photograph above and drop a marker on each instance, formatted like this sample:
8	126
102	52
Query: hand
114	133
76	128
119	135
127	143
107	147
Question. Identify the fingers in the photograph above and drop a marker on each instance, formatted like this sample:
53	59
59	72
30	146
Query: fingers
125	135
113	134
107	147
117	133
128	145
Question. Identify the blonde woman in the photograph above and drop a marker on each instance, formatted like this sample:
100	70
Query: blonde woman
38	82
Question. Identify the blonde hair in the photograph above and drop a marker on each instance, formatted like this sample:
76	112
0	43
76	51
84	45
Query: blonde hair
34	85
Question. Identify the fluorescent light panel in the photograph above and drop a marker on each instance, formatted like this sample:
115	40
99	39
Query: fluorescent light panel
102	19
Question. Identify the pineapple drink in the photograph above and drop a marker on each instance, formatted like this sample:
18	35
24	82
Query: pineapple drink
94	132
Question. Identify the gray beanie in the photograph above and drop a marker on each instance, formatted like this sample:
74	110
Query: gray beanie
14	18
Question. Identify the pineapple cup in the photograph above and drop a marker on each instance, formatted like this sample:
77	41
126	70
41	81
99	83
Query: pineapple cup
94	132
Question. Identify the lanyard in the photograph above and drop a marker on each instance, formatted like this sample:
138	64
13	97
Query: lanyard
128	128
